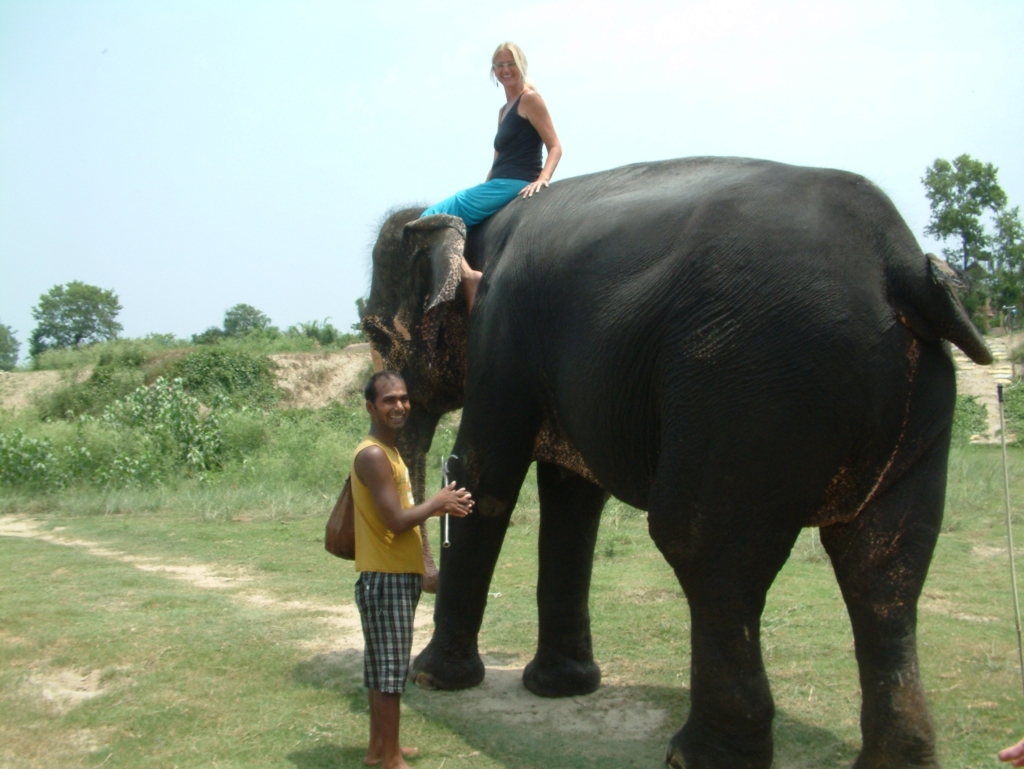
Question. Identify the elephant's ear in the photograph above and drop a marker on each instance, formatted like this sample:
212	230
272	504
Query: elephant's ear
444	237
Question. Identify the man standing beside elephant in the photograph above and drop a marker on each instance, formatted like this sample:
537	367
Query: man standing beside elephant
389	558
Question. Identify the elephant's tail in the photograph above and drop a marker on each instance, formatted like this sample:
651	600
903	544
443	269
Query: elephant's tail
934	311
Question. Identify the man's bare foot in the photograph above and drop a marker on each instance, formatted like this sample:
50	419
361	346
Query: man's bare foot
375	759
470	283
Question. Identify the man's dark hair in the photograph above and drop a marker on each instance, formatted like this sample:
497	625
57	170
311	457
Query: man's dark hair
370	391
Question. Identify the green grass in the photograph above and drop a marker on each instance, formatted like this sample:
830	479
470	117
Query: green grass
258	669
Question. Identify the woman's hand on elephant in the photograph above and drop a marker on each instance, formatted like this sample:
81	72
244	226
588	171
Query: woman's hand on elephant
532	188
457	502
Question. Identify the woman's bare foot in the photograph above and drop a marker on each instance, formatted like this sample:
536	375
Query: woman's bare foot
470	283
373	758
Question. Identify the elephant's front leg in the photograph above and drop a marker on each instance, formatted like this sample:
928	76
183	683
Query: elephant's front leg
451	659
570	510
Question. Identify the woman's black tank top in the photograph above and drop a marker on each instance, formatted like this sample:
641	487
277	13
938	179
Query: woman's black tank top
518	146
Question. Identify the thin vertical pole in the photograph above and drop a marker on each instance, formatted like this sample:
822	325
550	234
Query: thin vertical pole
446	542
1009	535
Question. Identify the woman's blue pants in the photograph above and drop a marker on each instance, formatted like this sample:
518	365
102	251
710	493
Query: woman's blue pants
477	203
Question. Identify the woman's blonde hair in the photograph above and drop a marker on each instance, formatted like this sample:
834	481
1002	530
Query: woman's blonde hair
517	56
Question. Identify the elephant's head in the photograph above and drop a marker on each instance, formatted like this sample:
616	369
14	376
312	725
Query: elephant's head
415	320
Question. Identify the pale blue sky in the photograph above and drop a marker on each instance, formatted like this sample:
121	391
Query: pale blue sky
194	155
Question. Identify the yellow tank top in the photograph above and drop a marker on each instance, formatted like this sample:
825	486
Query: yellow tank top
377	548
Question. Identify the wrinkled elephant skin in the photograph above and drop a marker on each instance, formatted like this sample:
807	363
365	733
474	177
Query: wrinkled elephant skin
740	348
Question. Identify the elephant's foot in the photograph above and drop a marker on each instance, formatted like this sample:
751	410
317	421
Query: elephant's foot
553	675
439	666
903	748
691	749
869	759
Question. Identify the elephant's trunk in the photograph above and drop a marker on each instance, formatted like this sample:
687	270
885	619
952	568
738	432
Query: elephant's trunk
418	476
413	443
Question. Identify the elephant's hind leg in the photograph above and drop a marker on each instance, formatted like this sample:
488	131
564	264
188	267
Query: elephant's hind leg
881	559
725	569
570	509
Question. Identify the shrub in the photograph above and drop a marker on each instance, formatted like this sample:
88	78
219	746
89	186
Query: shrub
243	433
118	349
308	448
27	461
212	335
146	437
325	334
1013	410
214	374
171	419
106	384
970	418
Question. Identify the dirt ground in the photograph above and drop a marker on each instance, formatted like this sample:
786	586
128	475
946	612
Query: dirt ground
309	379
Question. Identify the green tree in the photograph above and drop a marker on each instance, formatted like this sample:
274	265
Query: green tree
8	348
243	319
357	327
73	315
960	193
212	335
1009	240
1008	253
325	333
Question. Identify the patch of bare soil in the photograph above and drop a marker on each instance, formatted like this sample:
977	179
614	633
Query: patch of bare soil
313	380
503	698
18	388
941	603
73	748
988	551
64	688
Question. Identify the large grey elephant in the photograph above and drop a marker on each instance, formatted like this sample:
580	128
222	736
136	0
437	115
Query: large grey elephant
740	348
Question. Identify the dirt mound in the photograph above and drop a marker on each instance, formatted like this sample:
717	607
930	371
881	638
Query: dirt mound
314	379
309	379
18	388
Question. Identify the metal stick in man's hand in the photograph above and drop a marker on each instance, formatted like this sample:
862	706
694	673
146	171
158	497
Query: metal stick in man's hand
1009	534
444	484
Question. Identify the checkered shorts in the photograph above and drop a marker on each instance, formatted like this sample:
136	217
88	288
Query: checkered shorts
387	605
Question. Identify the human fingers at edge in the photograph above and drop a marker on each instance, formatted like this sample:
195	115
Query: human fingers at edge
1014	753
